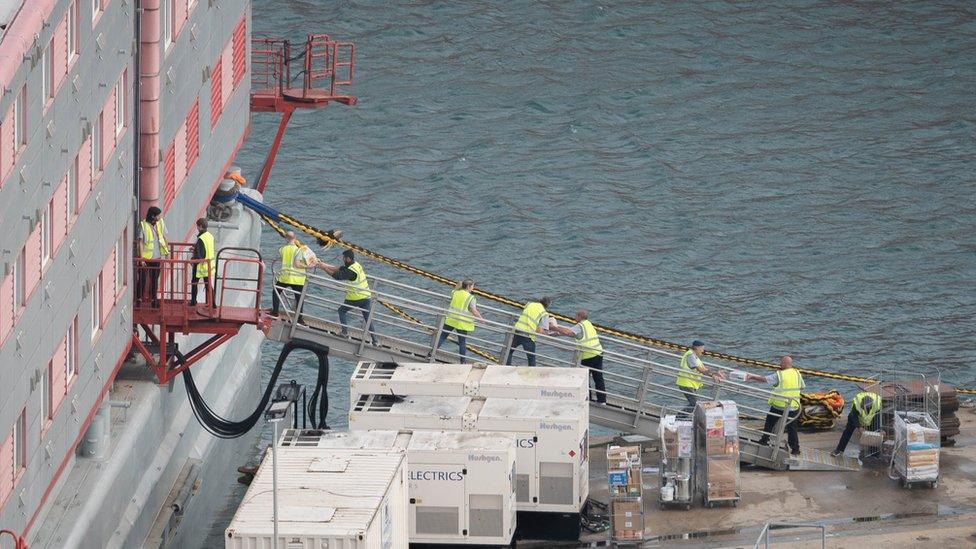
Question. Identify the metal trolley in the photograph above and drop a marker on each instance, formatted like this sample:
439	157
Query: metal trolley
717	452
677	470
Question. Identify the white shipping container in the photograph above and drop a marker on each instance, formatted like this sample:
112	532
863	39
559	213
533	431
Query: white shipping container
551	438
340	499
479	379
461	484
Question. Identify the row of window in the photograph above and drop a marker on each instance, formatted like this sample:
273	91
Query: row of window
60	213
182	153
62	368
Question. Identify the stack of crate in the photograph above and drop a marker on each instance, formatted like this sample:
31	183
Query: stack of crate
626	497
717	467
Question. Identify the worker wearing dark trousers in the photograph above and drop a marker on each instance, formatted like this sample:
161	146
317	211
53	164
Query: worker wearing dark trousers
533	320
786	384
292	274
151	246
863	415
590	351
358	294
203	249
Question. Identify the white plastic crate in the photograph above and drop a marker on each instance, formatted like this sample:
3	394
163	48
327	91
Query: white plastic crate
354	499
551	438
487	380
461	484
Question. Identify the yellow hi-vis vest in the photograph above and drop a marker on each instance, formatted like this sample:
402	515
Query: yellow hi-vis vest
205	268
530	318
458	316
359	289
589	345
289	273
688	377
867	416
786	393
149	239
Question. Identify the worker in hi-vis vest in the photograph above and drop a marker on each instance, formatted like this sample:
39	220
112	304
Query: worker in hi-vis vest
785	402
358	295
290	280
590	351
204	271
152	247
533	320
691	369
461	313
864	414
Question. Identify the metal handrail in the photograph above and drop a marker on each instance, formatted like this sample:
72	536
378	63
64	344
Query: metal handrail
637	376
764	534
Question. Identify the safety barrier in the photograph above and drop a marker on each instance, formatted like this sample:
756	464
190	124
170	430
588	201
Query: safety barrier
407	322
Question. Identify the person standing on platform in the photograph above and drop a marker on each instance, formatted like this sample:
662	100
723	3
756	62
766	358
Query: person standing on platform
533	320
291	277
787	383
151	246
863	415
203	249
358	295
590	349
689	378
460	316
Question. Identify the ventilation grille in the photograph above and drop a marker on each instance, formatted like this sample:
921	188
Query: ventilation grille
556	483
376	403
437	520
375	370
302	437
522	488
486	516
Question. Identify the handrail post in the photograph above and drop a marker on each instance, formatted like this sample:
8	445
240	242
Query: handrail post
367	325
436	336
298	310
577	357
780	428
507	348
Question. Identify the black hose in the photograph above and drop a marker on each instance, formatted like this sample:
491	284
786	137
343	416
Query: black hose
224	428
320	396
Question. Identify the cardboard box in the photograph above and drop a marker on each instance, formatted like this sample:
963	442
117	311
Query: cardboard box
627	520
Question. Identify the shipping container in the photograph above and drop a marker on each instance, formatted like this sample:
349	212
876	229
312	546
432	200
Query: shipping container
551	439
461	484
341	499
478	379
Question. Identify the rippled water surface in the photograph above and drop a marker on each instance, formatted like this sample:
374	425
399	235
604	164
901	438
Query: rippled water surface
769	177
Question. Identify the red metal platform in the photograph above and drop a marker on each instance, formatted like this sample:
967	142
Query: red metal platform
162	304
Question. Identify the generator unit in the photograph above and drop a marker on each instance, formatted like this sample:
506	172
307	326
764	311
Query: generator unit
356	499
461	484
551	439
478	379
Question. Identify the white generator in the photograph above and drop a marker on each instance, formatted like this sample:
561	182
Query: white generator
479	379
461	487
551	438
355	499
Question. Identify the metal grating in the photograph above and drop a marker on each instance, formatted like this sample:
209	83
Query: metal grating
437	520
522	488
556	483
485	515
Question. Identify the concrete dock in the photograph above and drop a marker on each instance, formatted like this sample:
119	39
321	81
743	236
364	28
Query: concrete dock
858	509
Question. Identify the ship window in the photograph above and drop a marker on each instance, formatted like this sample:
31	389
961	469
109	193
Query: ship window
46	390
72	31
20	118
120	104
71	351
96	7
120	264
47	82
96	306
73	188
47	231
20	442
167	21
96	148
20	267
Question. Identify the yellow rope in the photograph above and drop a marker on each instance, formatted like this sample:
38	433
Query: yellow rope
326	237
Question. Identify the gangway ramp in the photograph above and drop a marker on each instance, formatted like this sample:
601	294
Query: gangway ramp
407	322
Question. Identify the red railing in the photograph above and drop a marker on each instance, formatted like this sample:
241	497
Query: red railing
312	72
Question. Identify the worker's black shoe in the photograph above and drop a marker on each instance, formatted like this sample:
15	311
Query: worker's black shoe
835	453
795	453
